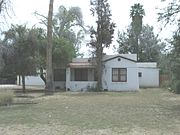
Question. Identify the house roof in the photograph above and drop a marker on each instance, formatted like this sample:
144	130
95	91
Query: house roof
81	65
90	62
119	56
147	65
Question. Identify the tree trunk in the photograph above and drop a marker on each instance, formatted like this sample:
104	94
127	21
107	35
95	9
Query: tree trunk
49	68
99	70
99	51
137	46
137	28
23	84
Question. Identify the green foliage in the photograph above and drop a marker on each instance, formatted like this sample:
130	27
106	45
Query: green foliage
166	84
175	61
136	13
177	88
102	35
170	13
63	52
5	12
137	10
68	24
6	97
149	48
20	41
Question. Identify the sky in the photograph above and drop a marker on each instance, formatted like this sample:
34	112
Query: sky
24	10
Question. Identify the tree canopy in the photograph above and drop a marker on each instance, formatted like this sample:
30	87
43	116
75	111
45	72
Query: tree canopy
20	60
150	47
171	13
136	13
102	35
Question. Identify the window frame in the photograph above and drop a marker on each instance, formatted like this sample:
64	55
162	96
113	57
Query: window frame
119	74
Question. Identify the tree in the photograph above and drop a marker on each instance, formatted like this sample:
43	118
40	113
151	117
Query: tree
65	21
1	59
67	24
137	13
175	58
102	36
171	13
5	9
150	47
68	32
49	68
20	60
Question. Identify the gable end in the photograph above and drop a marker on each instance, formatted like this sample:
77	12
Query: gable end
119	57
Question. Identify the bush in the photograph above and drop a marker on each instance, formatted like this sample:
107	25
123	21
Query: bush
177	87
6	98
165	84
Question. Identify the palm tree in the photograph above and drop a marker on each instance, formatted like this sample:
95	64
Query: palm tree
137	13
49	68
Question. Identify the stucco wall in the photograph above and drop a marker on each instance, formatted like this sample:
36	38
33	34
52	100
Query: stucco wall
150	77
81	85
132	83
32	80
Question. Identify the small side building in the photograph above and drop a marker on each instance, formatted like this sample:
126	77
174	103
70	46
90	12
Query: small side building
148	74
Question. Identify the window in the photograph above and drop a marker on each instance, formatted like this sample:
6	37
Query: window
59	74
119	75
140	74
81	74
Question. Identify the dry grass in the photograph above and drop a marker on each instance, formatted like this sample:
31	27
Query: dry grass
150	111
6	97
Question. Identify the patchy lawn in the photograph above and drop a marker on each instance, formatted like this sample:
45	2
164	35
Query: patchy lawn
149	112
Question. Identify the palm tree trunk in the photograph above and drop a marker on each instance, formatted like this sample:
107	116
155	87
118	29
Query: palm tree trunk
49	68
137	46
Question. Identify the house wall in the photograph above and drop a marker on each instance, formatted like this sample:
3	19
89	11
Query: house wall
32	80
150	77
132	83
37	81
81	85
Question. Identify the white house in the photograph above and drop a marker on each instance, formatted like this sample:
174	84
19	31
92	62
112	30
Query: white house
120	73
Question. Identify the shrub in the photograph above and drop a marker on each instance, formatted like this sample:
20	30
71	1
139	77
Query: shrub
165	84
6	97
177	87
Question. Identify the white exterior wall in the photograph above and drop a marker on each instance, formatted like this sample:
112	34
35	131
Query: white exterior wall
81	85
132	83
32	81
37	81
150	77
